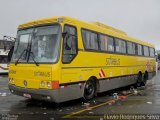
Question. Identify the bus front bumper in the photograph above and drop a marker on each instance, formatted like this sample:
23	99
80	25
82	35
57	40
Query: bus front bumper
39	94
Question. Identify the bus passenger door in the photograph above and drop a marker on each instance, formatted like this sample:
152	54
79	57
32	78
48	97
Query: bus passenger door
69	44
70	50
70	73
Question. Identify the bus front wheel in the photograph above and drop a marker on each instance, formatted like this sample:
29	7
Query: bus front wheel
89	90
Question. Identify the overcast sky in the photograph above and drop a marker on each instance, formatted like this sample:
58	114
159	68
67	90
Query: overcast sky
139	18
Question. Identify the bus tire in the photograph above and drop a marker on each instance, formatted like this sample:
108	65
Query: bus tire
89	90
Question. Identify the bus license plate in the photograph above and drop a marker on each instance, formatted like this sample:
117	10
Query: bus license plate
27	95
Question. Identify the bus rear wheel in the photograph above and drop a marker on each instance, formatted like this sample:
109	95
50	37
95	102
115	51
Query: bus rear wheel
89	90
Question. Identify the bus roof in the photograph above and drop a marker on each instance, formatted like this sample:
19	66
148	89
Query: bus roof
95	26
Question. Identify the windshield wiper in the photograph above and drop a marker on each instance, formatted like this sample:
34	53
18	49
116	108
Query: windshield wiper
21	56
32	56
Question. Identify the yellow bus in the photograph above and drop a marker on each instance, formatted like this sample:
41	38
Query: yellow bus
61	58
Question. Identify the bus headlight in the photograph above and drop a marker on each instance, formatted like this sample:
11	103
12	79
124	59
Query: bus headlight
42	84
45	84
48	84
11	80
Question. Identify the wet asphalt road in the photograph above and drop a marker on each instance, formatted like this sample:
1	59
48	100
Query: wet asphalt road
144	101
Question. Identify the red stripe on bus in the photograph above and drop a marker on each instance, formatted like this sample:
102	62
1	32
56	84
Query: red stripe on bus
103	72
100	74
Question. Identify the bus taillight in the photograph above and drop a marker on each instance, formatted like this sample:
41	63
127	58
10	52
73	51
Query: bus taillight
55	84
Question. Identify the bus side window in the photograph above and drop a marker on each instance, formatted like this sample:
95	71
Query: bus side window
140	50
69	44
120	46
151	50
146	51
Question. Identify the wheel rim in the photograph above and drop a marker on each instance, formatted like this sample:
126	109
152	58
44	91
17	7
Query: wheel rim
89	90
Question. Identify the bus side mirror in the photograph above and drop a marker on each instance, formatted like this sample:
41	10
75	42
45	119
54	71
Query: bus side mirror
64	34
10	53
67	41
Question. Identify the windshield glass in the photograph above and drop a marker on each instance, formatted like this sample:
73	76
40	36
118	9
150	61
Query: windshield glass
41	42
22	43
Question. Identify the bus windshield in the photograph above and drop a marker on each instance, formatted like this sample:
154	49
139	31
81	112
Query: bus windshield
42	42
